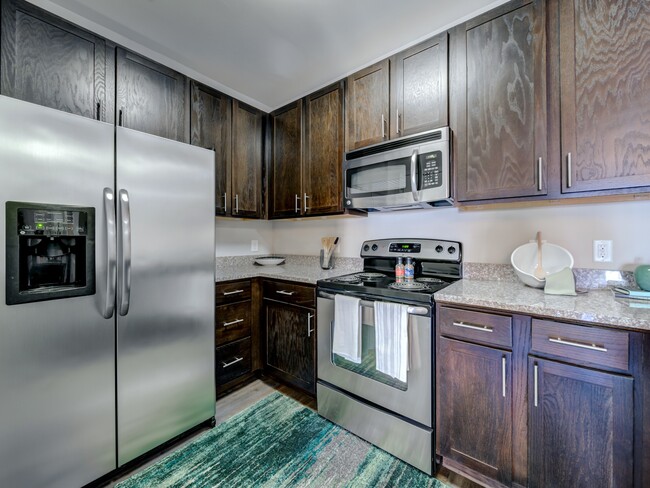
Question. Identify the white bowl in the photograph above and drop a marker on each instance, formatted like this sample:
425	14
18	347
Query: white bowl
524	260
270	260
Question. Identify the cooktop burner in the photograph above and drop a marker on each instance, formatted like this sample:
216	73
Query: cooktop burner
410	285
347	279
370	276
429	280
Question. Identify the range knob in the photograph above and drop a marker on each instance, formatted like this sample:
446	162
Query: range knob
366	247
439	248
451	249
375	247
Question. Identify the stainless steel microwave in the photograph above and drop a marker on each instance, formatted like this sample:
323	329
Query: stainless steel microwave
412	172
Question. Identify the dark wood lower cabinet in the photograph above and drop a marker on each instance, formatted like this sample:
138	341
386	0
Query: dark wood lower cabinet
581	427
291	343
475	408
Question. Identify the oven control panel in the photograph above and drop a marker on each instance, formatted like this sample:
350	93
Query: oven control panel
420	249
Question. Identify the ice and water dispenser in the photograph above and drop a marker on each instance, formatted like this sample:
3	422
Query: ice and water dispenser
50	252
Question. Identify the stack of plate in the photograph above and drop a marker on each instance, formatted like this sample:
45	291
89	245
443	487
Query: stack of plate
270	260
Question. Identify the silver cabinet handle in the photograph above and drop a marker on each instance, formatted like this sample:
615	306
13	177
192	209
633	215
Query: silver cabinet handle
309	329
111	253
284	292
297	203
591	347
535	383
398	122
383	126
236	202
124	253
305	197
227	365
234	292
225	202
568	171
482	328
503	376
228	324
414	175
539	174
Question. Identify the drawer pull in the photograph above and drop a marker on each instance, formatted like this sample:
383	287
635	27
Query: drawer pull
482	328
503	376
535	386
591	347
234	292
233	322
284	292
227	365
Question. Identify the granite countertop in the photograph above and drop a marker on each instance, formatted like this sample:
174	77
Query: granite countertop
595	307
303	269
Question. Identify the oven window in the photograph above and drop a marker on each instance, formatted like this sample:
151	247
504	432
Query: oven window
379	179
368	365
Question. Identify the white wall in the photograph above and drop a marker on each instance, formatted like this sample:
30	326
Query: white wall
488	236
234	237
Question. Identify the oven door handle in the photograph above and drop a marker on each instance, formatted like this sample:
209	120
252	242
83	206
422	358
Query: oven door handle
367	303
414	175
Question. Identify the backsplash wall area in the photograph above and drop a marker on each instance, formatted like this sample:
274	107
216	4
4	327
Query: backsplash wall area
488	236
234	237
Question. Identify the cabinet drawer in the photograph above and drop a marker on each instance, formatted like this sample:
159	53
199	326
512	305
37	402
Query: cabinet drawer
292	293
232	322
233	360
576	343
481	327
236	291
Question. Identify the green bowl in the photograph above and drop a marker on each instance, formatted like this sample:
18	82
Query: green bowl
642	276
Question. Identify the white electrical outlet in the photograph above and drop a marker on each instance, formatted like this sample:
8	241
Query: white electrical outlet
603	251
254	245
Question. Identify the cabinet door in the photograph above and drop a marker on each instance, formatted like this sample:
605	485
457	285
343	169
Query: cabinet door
285	198
151	98
581	428
605	87
210	126
47	61
502	120
323	156
290	343
474	403
419	88
246	187
367	106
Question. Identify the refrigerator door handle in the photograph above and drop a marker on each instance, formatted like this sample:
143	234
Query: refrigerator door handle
124	253
111	253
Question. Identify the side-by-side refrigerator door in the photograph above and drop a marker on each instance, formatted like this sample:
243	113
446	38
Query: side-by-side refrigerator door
57	338
165	290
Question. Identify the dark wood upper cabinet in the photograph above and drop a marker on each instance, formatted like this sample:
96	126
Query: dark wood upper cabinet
210	127
474	385
322	168
50	62
285	196
418	88
247	153
499	101
151	98
367	106
581	427
605	101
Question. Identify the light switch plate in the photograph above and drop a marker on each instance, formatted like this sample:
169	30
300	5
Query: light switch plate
254	245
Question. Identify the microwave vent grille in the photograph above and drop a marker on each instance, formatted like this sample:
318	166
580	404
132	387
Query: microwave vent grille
435	135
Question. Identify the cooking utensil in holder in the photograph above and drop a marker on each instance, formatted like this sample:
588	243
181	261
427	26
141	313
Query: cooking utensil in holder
326	260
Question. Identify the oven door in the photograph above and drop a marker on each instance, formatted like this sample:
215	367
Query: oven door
412	399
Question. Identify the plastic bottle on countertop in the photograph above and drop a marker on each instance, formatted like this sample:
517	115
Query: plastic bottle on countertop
399	271
409	270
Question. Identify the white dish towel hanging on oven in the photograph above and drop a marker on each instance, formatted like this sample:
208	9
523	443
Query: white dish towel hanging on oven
391	339
347	328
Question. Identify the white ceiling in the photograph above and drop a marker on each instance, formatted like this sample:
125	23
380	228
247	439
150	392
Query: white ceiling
266	52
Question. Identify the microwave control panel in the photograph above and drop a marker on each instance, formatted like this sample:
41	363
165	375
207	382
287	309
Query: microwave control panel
430	166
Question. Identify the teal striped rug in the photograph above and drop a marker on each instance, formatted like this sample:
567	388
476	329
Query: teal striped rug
279	443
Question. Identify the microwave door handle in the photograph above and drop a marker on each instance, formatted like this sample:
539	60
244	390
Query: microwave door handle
414	176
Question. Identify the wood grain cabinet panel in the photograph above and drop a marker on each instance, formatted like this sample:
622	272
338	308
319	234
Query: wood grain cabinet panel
50	62
581	427
247	154
210	127
605	82
501	103
151	98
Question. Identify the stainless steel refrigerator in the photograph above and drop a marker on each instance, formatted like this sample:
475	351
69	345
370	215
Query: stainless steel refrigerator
106	294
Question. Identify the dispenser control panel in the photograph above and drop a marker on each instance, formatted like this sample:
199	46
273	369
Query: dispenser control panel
43	222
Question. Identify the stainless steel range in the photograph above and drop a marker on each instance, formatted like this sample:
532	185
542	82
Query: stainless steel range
360	384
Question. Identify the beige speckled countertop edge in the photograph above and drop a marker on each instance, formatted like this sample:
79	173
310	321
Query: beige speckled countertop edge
290	272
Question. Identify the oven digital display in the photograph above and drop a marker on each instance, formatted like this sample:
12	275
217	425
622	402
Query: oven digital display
407	247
